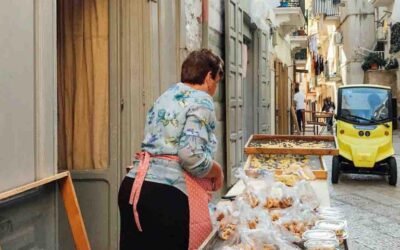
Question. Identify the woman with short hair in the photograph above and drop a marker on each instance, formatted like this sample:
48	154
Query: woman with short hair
163	200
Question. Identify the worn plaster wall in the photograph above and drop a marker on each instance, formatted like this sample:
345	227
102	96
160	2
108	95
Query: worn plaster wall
357	26
193	9
282	50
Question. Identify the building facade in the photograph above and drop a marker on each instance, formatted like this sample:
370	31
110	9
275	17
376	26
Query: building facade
78	78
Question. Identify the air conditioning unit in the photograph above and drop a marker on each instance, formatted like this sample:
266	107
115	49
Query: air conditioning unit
380	34
338	38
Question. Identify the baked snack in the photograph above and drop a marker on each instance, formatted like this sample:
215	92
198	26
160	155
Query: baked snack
297	228
287	179
253	224
226	230
272	203
286	202
275	215
252	200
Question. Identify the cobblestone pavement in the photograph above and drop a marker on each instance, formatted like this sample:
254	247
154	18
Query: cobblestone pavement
372	207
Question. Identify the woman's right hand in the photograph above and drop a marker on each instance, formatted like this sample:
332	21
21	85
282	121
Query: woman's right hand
217	175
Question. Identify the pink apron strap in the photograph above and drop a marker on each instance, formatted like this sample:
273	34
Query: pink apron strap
144	158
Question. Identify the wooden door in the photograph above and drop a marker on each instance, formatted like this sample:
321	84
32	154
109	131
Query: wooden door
234	86
264	85
281	99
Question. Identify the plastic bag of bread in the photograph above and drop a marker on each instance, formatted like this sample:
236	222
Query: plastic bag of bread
279	196
294	223
223	210
287	179
307	194
228	227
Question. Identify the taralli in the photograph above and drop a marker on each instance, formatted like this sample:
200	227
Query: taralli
272	203
226	231
252	224
295	227
275	216
286	202
252	200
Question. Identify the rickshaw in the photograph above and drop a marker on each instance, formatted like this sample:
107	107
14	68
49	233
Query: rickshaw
364	132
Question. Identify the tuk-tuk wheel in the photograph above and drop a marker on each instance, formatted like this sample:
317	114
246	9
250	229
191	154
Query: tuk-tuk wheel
335	169
392	171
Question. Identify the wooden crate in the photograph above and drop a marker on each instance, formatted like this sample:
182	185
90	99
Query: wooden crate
320	173
298	150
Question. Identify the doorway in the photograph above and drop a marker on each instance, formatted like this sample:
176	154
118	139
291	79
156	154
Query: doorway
88	114
249	114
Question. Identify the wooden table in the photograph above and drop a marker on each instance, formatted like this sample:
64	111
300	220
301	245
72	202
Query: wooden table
324	123
320	187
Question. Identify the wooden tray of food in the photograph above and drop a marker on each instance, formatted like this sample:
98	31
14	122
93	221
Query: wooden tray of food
291	144
258	163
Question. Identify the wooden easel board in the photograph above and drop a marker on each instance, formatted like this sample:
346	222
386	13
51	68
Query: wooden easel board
71	204
294	119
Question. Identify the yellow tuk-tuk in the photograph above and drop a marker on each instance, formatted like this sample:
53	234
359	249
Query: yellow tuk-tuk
364	132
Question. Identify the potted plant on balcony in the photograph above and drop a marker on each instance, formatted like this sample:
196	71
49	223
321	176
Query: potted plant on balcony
372	61
301	31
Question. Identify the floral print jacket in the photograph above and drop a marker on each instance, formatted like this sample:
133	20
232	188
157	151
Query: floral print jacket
181	122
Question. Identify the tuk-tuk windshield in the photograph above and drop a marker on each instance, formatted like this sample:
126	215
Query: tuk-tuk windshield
364	105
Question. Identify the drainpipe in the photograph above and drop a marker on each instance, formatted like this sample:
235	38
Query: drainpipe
204	23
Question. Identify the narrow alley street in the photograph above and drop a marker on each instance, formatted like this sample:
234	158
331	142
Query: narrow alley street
372	207
212	119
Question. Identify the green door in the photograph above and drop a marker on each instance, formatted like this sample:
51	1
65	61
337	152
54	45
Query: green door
234	87
264	85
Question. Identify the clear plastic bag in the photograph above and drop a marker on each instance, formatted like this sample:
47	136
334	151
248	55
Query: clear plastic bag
295	222
279	196
307	194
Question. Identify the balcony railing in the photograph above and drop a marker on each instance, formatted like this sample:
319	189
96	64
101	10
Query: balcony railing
293	3
290	3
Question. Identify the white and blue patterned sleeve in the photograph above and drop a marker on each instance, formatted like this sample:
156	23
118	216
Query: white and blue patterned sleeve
196	143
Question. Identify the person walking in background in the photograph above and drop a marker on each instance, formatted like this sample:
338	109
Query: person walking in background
163	200
329	107
299	103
